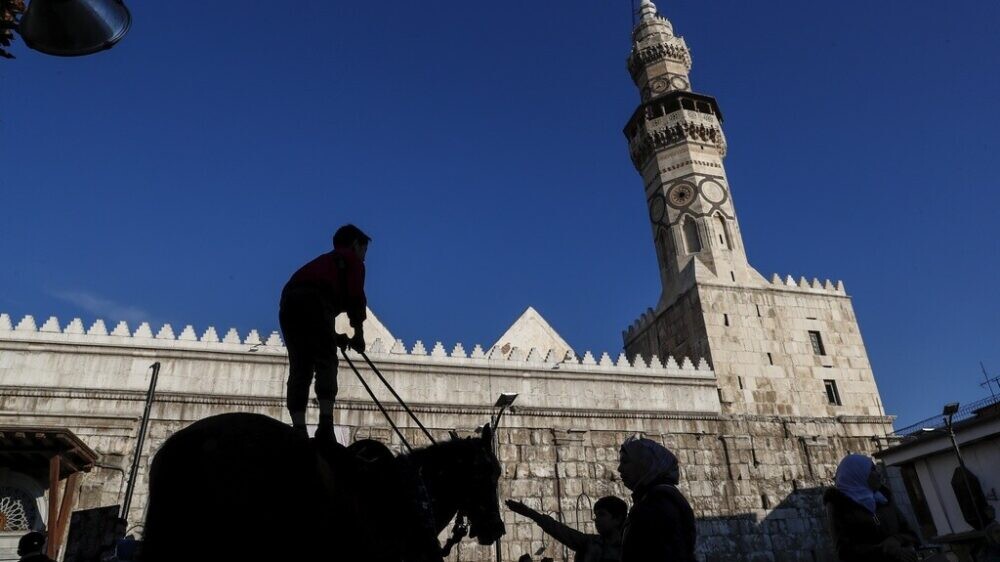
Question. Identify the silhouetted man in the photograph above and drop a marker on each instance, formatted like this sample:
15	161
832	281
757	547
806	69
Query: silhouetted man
605	546
320	290
31	548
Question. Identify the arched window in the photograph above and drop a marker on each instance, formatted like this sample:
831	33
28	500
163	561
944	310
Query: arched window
722	232
691	240
663	243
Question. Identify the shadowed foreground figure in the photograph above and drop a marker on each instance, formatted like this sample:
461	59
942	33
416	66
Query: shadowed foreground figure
865	523
246	487
660	526
605	546
310	302
31	548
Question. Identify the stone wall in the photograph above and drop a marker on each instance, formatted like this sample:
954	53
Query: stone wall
757	340
752	480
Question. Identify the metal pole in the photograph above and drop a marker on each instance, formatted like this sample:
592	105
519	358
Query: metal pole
496	451
965	473
139	441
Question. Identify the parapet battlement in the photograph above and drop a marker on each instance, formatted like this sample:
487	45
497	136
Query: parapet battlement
52	331
826	287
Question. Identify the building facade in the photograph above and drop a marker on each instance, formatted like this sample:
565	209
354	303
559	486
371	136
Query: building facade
758	386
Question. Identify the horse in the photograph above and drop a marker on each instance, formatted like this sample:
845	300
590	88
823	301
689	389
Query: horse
246	487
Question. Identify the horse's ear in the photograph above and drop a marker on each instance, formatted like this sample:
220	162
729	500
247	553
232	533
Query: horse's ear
453	433
487	433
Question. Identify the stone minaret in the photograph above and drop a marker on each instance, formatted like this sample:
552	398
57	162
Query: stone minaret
677	145
777	347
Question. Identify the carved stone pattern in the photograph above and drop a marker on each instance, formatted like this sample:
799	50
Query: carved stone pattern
644	145
15	510
640	58
686	162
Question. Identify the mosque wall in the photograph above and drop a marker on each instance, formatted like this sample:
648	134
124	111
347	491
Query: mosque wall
754	481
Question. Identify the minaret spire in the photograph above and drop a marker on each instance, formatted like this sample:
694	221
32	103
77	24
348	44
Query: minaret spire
647	10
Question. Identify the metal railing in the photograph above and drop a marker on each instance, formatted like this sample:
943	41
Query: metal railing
966	412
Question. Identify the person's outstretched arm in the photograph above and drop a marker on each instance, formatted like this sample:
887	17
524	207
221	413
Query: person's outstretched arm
566	535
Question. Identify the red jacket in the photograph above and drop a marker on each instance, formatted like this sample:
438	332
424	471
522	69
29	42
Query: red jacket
338	276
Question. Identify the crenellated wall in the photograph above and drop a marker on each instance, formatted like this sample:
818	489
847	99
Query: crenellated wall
753	480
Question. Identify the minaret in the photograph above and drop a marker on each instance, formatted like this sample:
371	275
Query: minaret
777	347
677	145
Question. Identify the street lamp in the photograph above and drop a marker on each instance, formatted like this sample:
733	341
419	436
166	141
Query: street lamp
503	402
949	412
71	28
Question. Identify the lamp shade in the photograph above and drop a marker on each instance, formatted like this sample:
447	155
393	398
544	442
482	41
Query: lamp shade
70	28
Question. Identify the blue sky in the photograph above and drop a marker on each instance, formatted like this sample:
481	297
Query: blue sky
183	175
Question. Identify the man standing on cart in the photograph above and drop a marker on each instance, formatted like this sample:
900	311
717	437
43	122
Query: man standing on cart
310	301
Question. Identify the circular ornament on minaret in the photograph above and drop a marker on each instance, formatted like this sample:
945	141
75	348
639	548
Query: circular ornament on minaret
713	192
659	86
657	208
680	195
679	83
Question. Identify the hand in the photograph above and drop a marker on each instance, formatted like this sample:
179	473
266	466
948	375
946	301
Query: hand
341	341
357	343
520	508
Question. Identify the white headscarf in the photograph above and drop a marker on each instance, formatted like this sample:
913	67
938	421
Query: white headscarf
852	481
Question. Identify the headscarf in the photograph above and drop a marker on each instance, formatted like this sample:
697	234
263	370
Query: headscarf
656	461
852	481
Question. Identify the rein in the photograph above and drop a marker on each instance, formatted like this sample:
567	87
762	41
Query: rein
379	404
458	533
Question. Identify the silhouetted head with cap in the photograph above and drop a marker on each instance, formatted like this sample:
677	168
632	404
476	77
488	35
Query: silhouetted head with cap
31	543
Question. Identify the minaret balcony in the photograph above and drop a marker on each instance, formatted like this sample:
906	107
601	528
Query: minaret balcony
671	119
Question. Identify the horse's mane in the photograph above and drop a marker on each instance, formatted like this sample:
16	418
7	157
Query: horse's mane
442	452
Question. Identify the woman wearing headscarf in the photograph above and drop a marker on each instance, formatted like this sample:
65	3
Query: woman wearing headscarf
865	523
660	526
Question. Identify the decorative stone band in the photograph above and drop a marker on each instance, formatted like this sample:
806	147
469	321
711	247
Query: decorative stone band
787	284
74	333
231	401
360	405
639	58
645	145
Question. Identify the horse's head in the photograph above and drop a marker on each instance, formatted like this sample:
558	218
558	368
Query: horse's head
478	476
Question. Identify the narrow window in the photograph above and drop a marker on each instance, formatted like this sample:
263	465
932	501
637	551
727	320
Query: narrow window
664	245
722	232
725	319
758	310
770	359
740	380
691	239
817	343
832	395
733	275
